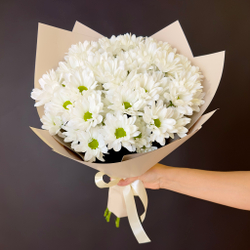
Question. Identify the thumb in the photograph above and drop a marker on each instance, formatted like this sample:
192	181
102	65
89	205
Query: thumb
126	181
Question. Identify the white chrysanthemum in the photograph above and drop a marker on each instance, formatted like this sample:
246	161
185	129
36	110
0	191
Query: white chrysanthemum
70	133
110	71
133	61
80	81
126	99
168	62
145	149
86	112
181	122
142	141
111	46
198	100
92	144
49	83
119	131
51	123
60	103
79	52
149	85
148	49
160	121
115	45
128	41
64	69
180	94
165	46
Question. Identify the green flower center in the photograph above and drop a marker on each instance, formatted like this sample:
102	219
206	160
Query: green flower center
157	123
87	116
171	104
93	144
138	136
127	105
119	133
81	88
66	104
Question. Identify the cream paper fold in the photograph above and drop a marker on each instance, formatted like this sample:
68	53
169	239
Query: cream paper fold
53	43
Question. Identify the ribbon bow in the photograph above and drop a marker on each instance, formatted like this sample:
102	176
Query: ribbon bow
128	192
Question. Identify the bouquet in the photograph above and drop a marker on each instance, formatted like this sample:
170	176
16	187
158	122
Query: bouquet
124	94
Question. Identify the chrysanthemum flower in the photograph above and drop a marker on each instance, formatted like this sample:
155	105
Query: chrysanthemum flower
51	123
160	121
181	122
167	62
146	149
92	144
110	71
119	131
86	112
126	99
132	61
49	83
148	49
80	81
60	103
142	141
79	52
149	85
180	94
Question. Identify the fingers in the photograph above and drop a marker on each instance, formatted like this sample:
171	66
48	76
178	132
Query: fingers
126	181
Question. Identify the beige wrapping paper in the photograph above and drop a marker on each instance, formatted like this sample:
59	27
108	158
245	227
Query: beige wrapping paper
53	43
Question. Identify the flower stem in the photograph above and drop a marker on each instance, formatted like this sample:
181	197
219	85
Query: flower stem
117	222
107	214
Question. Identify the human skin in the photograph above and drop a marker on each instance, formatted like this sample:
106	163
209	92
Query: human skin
226	188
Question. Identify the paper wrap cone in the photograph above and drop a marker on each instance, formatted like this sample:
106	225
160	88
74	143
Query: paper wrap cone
53	43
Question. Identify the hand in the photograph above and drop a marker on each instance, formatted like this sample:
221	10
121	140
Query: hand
152	179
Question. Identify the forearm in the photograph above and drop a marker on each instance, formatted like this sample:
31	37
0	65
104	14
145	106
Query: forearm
227	188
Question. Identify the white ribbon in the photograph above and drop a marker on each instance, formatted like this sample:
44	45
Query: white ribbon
135	188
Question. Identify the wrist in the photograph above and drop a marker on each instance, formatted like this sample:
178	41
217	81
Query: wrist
167	176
